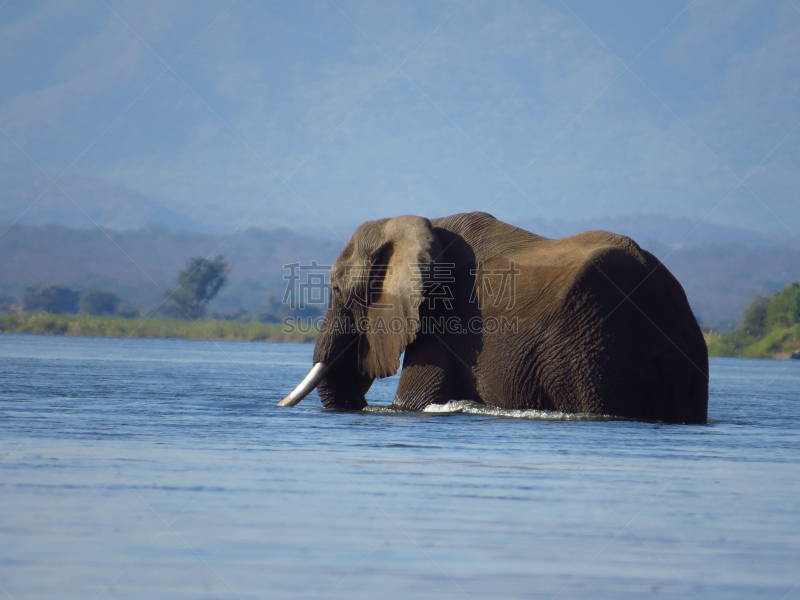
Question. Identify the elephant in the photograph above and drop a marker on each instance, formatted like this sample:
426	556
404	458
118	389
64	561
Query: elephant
489	312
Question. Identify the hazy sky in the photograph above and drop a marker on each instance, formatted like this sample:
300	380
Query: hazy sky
321	114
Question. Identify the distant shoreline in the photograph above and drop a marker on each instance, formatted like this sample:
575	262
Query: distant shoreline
779	345
89	325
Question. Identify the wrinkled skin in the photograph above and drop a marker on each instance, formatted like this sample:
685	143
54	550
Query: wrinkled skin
593	323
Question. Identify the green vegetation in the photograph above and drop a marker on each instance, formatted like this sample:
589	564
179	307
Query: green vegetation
770	328
99	302
56	299
198	283
150	328
53	309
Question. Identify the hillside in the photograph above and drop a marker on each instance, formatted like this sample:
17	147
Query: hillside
770	328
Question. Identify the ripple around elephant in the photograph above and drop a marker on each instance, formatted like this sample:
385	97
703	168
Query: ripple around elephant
488	312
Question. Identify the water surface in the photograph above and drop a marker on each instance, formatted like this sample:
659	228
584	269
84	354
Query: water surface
164	469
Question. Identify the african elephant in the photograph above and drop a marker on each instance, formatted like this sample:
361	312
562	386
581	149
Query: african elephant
488	312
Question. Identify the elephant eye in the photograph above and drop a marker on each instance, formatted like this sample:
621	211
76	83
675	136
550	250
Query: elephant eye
336	290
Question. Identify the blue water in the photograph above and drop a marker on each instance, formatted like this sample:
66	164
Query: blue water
164	469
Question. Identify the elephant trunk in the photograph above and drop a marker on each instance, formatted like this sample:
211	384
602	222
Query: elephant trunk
341	386
335	374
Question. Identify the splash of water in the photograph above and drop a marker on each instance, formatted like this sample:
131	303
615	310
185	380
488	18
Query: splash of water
455	407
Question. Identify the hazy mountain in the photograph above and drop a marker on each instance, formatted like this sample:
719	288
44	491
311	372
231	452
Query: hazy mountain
661	230
720	278
310	114
27	195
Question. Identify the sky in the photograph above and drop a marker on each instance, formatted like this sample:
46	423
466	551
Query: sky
224	115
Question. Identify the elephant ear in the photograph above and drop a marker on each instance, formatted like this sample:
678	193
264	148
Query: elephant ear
398	269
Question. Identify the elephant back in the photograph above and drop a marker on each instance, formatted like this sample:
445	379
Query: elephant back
641	348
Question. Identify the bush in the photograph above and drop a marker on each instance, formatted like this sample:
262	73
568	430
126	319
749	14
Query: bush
99	303
55	299
754	319
237	314
784	308
128	311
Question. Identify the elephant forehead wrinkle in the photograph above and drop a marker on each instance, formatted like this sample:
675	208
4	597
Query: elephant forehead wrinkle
354	271
366	238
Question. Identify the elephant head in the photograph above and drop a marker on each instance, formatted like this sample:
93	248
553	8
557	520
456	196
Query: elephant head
376	293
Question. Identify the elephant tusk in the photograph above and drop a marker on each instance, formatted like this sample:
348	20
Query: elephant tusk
306	386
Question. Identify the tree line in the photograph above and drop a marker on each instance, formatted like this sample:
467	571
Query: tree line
196	286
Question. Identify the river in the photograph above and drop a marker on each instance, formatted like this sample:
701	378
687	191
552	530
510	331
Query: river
164	469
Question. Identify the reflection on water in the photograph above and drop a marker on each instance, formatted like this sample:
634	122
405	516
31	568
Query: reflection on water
164	469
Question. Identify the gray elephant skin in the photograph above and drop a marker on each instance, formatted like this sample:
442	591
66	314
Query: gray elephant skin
488	312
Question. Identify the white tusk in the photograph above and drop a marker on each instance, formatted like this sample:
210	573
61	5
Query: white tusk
306	386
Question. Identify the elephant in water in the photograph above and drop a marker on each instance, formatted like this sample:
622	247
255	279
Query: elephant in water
488	312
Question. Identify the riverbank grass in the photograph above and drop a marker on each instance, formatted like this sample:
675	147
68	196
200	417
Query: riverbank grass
45	323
